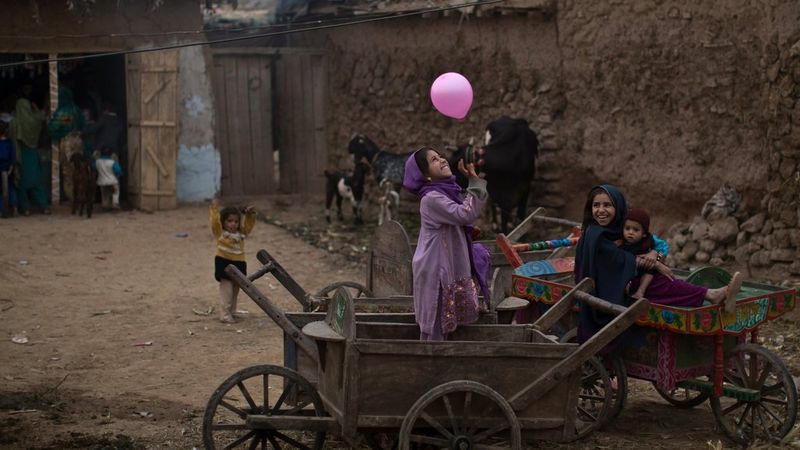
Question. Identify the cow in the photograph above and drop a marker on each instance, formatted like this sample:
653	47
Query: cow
84	185
387	169
508	160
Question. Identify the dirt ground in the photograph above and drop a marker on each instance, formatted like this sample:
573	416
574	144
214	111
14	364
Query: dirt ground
113	351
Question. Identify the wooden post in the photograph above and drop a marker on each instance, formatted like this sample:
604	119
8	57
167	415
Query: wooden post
55	167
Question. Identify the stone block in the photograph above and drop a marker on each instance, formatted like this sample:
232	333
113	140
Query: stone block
708	245
753	224
690	249
760	258
702	257
783	255
698	229
741	238
742	254
679	240
724	230
716	261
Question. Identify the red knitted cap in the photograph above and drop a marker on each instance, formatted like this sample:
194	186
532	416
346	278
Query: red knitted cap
639	215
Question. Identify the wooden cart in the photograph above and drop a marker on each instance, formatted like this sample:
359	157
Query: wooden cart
490	386
694	354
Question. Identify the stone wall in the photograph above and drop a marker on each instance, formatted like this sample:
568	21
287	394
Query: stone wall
668	99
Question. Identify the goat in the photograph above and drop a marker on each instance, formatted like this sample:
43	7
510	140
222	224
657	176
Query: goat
339	185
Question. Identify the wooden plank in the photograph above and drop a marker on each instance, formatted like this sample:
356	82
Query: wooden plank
562	307
262	422
319	91
254	101
55	156
161	168
559	372
389	270
457	349
221	104
133	93
233	131
275	313
544	423
157	123
267	126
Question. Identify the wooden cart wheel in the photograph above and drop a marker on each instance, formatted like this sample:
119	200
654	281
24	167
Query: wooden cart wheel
381	441
595	399
355	289
766	407
616	373
682	397
262	390
461	415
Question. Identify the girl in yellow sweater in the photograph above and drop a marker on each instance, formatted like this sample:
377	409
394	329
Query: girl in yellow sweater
230	232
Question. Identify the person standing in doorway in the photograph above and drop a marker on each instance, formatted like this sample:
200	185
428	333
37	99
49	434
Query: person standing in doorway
25	129
64	128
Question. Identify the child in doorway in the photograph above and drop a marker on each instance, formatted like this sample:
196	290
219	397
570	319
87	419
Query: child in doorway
108	173
659	286
230	233
8	159
449	270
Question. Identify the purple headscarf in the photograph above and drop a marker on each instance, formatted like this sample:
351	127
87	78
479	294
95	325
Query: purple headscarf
418	184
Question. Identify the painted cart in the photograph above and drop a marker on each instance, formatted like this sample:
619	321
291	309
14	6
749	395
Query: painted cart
491	386
694	354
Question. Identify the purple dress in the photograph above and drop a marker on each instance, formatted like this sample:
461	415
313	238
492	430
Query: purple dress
676	292
449	270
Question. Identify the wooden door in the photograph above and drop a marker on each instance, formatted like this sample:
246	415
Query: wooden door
301	91
152	128
243	101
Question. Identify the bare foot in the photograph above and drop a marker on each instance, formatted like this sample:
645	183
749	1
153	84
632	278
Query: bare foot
733	288
716	296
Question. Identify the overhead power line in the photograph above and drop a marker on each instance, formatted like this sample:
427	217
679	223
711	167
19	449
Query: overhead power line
255	36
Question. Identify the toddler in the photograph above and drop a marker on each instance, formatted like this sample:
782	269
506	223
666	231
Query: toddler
108	173
230	233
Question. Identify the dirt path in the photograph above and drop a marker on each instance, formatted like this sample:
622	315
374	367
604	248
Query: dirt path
116	357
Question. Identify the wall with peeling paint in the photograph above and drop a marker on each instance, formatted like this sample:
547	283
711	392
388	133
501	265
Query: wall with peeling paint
198	166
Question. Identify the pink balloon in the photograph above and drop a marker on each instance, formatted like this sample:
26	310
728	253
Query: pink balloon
451	95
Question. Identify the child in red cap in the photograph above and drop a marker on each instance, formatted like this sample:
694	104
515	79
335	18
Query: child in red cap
664	289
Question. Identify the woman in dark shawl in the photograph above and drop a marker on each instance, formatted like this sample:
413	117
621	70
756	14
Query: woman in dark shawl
598	256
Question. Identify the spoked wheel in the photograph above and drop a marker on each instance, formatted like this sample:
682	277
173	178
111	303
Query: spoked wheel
461	415
595	399
381	441
617	387
766	405
619	381
261	391
355	289
682	397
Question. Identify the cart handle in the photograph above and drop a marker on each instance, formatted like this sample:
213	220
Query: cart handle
275	313
284	279
556	374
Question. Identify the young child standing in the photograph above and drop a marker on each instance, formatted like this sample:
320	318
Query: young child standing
8	159
660	288
448	268
230	233
108	173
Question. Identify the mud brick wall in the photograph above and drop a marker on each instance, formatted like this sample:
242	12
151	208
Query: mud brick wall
667	99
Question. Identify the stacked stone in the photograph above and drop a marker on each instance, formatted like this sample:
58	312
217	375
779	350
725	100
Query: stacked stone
756	242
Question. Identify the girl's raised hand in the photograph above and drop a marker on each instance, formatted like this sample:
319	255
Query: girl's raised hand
249	209
468	170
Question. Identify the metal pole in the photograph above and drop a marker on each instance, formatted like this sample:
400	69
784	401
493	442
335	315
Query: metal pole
55	187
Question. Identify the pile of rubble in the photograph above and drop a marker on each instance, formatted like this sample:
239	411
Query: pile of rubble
724	235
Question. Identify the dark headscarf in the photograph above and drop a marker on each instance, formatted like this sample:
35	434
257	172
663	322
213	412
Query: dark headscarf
418	184
599	258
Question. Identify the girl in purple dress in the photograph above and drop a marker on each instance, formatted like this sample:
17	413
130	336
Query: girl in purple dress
449	269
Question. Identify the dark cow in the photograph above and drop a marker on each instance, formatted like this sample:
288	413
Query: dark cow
508	160
386	168
84	185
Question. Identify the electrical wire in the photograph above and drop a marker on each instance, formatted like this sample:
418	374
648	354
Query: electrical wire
254	36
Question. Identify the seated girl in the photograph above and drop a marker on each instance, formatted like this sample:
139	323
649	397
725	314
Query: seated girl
659	286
